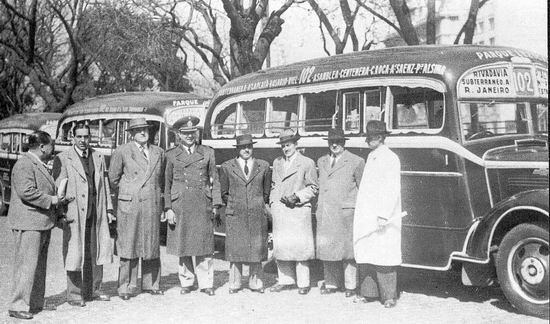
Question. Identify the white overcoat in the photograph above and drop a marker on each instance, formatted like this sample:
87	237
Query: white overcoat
379	196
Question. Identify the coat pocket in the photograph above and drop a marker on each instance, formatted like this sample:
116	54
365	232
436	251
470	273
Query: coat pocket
125	197
174	196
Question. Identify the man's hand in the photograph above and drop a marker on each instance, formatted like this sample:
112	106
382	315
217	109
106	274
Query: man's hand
170	217
62	201
163	217
111	217
216	218
382	222
293	199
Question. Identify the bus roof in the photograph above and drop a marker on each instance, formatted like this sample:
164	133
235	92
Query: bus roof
437	61
31	121
147	102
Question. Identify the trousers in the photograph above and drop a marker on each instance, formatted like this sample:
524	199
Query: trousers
203	271
128	274
254	277
293	272
334	271
378	281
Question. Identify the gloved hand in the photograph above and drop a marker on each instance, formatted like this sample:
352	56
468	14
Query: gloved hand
111	217
293	199
216	218
170	217
62	201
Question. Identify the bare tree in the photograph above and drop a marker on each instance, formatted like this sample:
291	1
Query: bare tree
41	39
468	29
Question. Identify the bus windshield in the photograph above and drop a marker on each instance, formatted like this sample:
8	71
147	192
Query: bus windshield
488	119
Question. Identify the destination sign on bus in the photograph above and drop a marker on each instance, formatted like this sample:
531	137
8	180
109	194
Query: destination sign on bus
104	109
504	82
310	75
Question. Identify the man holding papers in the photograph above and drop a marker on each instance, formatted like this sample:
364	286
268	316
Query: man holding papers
377	220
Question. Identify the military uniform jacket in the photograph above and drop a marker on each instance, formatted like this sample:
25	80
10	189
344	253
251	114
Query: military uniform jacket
338	186
192	188
31	197
245	212
138	184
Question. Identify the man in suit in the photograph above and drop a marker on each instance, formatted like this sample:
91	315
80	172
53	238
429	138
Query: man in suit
339	177
377	220
245	184
191	201
294	185
31	217
87	243
136	175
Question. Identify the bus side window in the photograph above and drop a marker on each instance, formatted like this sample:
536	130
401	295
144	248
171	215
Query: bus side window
24	142
539	113
16	143
94	131
6	142
253	117
373	104
282	112
108	133
417	108
66	132
122	134
225	122
352	107
319	109
154	132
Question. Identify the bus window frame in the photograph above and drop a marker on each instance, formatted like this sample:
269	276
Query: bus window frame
361	108
9	144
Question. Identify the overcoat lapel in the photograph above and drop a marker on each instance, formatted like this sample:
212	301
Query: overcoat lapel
74	162
254	171
96	157
138	157
154	157
339	163
294	166
237	170
42	169
187	159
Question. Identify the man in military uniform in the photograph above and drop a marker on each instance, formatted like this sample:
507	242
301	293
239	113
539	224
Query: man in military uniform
191	199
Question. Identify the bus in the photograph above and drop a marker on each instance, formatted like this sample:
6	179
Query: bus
470	126
14	132
108	117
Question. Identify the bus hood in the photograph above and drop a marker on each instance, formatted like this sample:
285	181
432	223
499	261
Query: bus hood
532	149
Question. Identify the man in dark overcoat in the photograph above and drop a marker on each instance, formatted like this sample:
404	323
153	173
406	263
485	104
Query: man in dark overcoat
340	174
191	200
136	176
87	244
245	185
31	217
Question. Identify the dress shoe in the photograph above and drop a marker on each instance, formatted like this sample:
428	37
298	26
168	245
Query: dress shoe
390	303
349	293
101	297
42	309
185	290
326	291
20	314
125	296
77	303
233	291
278	288
303	291
362	299
154	291
208	291
259	290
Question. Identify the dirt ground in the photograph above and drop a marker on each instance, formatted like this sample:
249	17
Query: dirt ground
426	297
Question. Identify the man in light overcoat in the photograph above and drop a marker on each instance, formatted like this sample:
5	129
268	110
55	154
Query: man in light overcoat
377	220
87	244
191	201
340	174
294	185
136	175
31	217
245	185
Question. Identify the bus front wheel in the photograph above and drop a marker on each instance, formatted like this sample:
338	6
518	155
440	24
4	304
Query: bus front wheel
522	268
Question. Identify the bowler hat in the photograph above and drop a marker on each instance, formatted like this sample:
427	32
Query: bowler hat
376	127
243	140
335	134
186	124
137	123
288	135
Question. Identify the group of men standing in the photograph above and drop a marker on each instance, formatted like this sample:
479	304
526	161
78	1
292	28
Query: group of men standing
357	231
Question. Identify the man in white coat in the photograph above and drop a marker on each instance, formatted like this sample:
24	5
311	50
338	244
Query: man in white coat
377	220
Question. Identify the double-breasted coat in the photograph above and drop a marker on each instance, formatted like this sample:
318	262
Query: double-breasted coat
138	183
338	186
245	212
192	188
67	165
31	199
379	196
292	227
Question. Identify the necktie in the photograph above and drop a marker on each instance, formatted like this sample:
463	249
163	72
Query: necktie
142	149
246	167
189	150
332	161
84	154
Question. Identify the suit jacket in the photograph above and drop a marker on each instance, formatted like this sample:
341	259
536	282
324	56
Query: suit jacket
67	165
138	184
31	198
338	188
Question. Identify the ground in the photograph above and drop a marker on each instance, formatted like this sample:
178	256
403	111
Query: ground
426	297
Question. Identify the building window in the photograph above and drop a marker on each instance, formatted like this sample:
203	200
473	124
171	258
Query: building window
492	23
480	27
492	41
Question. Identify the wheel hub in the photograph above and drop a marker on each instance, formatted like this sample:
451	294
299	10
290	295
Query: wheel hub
532	271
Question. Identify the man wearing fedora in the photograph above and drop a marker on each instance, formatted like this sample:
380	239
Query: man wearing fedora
136	175
294	185
339	177
245	185
87	244
191	201
377	220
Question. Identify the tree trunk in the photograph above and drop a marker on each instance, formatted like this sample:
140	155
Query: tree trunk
431	23
403	16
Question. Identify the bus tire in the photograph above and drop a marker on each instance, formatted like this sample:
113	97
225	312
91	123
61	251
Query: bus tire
522	268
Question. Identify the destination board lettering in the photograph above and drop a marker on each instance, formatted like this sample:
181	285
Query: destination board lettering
542	81
309	75
501	54
104	109
185	102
